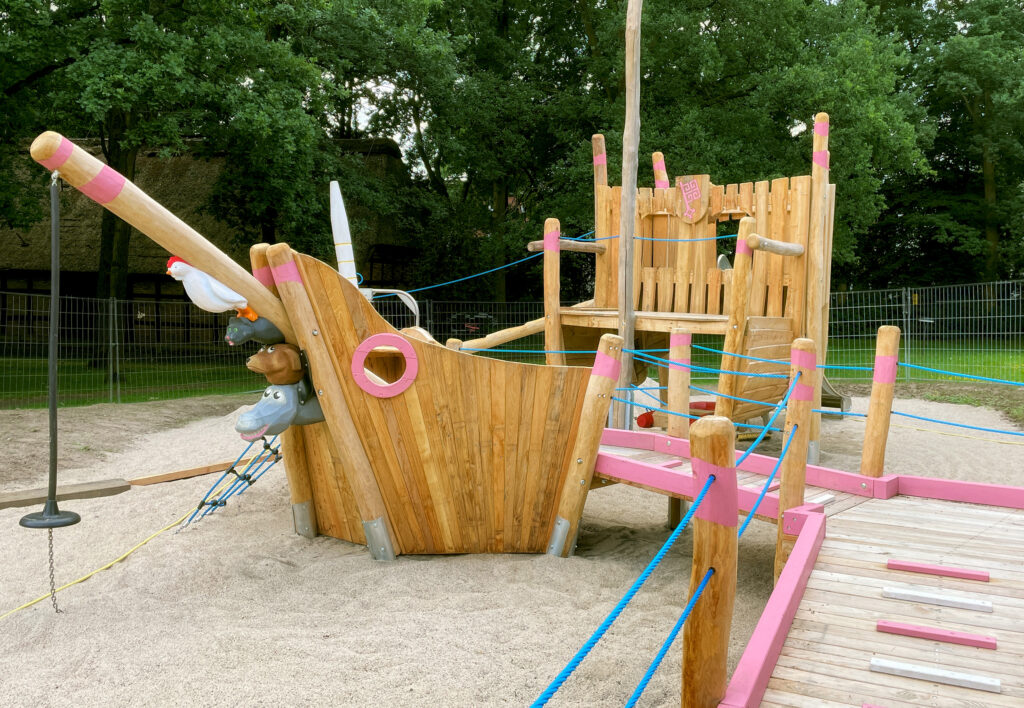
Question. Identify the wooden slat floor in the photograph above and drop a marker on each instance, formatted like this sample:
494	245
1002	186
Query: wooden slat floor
825	659
827	654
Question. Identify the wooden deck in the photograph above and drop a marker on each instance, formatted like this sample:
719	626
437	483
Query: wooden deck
827	656
835	654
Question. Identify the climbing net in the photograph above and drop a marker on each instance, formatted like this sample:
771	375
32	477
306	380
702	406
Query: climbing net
234	482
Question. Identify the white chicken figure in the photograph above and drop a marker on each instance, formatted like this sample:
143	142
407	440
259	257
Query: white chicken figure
208	293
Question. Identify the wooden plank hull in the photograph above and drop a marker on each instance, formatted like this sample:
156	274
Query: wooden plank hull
469	458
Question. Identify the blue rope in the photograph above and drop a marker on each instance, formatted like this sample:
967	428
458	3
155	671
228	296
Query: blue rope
963	376
217	483
257	462
958	425
684	240
768	426
580	655
841	413
691	417
741	356
669	641
531	351
639	354
486	272
735	398
768	483
641	388
831	367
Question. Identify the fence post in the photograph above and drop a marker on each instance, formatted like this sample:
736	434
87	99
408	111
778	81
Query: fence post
803	361
876	432
706	632
110	349
906	331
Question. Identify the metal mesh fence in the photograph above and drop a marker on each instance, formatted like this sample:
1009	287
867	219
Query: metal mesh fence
113	350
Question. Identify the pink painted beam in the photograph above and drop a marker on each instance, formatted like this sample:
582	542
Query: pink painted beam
944	570
955	490
937	634
750	679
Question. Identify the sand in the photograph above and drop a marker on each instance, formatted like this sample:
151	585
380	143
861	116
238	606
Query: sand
238	609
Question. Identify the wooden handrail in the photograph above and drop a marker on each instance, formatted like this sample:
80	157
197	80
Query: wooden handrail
781	248
495	339
568	244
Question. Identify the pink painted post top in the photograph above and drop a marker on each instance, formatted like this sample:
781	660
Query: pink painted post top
885	369
264	275
821	128
719	505
601	159
803	391
742	246
820	158
660	175
551	240
286	273
61	155
607	366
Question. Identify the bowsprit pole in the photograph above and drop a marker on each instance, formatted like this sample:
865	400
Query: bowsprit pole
52	517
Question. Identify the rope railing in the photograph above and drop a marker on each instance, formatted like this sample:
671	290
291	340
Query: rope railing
767	426
959	375
958	425
643	356
768	483
660	656
218	494
580	655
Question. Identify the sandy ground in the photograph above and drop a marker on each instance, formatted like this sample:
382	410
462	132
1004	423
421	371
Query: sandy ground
238	610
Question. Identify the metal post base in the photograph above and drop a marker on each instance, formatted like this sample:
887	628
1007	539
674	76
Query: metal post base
813	452
302	518
50	517
560	540
378	540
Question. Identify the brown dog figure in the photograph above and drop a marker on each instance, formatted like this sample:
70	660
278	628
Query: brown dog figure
280	363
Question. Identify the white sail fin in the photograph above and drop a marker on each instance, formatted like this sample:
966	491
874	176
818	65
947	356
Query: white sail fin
342	236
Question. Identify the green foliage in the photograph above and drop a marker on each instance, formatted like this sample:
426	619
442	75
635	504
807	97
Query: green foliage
494	101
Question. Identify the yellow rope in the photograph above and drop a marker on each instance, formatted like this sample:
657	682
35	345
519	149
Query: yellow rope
113	562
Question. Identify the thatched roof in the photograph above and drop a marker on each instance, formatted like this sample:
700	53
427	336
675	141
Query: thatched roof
181	184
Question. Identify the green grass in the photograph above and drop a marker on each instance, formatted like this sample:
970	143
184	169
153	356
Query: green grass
23	382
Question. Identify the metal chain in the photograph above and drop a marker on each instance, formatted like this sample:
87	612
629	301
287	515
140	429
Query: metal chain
53	585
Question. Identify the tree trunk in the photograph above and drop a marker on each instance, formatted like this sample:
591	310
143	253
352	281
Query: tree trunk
988	173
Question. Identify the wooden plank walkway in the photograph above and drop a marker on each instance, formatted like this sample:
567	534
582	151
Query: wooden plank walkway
827	656
834	642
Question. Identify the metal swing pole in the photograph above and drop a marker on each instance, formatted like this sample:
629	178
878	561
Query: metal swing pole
51	516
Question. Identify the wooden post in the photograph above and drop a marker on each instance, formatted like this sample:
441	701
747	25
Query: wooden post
109	188
679	401
627	212
377	525
876	432
660	171
706	632
817	302
552	294
600	162
584	453
803	361
738	298
293	444
679	382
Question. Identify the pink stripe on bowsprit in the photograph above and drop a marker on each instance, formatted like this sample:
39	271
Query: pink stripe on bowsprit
601	159
821	128
680	339
719	506
286	273
105	186
937	634
264	275
61	156
802	392
820	158
803	359
606	366
885	369
742	247
944	570
551	240
659	166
